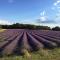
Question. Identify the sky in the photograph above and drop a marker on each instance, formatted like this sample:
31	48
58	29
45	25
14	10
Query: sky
38	12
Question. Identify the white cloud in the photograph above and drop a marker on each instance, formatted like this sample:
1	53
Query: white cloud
43	16
44	19
56	5
57	18
57	2
10	1
43	13
4	22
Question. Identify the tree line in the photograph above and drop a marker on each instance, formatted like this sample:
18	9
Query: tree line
28	26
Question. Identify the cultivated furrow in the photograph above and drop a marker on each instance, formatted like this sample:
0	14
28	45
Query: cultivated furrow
35	44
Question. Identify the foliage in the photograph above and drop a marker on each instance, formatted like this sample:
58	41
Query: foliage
56	28
39	55
24	26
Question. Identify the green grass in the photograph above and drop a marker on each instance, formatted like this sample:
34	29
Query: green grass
39	55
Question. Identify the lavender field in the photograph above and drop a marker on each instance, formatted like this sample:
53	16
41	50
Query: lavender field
21	41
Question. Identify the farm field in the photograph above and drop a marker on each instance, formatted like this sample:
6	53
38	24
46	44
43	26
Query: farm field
1	30
24	44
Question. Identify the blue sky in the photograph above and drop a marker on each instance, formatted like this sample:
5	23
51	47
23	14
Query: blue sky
44	12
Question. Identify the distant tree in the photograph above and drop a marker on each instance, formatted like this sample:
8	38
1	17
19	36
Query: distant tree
28	26
0	26
25	26
56	28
